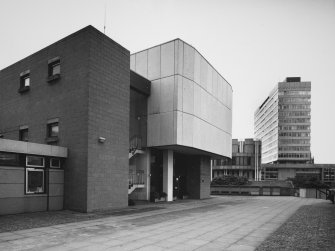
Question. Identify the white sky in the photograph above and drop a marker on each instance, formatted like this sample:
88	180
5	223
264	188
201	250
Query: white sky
253	43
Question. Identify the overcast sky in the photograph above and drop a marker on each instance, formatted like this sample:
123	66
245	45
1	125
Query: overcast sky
253	43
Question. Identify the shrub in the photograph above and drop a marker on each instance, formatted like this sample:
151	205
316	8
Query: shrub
307	182
229	180
153	196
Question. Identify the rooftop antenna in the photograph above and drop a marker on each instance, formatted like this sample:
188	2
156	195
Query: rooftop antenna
105	20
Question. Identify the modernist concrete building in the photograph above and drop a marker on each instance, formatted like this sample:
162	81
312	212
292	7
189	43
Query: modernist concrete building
153	128
189	119
283	123
323	172
245	161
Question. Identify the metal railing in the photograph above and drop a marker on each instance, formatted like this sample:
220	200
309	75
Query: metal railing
136	178
329	193
135	143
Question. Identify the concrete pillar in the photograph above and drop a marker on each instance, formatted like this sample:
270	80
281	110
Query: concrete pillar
148	173
168	174
205	181
240	173
257	178
212	169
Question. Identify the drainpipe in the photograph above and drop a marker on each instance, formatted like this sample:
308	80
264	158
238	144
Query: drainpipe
47	181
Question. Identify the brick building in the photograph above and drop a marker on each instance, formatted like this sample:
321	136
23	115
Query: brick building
130	125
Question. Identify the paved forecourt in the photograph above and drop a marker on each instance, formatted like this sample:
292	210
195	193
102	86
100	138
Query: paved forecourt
219	223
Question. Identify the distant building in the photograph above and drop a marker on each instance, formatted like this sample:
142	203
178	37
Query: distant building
322	172
283	123
245	161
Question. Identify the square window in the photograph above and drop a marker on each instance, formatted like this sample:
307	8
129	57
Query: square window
35	161
34	180
24	83
54	69
53	129
23	134
54	163
52	132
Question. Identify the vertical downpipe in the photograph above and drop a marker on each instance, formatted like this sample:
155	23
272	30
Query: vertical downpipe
47	185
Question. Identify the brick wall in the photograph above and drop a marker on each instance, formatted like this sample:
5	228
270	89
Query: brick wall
108	117
90	99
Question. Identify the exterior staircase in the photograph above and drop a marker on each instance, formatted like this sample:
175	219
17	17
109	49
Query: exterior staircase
135	146
136	178
133	187
133	153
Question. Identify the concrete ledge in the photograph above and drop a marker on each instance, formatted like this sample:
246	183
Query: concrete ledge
15	146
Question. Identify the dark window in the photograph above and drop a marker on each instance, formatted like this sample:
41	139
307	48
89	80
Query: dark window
54	68
55	163
35	161
9	159
24	83
24	134
53	129
249	161
52	132
234	160
34	180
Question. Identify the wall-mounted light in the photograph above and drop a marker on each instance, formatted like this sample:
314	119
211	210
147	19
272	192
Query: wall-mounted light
102	140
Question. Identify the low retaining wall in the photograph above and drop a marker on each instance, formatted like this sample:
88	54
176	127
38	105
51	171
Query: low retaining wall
312	193
252	190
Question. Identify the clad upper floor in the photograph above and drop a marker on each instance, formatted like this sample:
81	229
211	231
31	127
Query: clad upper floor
190	103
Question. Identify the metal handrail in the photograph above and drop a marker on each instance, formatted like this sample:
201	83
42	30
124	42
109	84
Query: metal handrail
329	195
136	178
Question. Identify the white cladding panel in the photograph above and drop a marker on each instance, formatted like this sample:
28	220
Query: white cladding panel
190	103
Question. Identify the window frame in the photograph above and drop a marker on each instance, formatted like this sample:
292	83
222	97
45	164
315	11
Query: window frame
52	67
23	80
52	166
49	129
21	133
31	169
49	138
23	76
35	166
52	63
15	161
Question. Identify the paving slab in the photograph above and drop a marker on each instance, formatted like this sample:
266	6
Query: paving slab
219	223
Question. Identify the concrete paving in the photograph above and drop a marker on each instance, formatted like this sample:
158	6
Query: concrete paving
219	223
